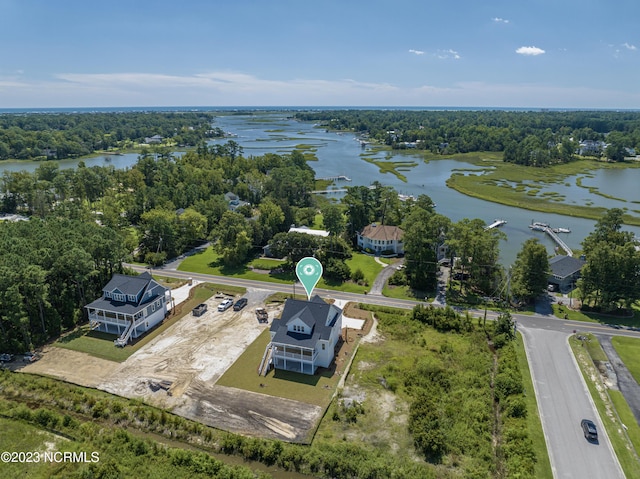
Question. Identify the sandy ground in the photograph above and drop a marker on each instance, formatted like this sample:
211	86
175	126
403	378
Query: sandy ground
71	366
191	356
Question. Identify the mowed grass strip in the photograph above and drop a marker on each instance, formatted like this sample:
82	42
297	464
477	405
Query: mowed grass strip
243	374
627	349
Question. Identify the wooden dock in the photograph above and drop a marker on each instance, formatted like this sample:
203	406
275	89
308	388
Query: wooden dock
335	178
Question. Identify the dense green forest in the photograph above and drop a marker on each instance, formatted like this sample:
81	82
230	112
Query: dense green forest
530	138
70	135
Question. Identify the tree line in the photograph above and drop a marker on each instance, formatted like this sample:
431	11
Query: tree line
533	138
70	135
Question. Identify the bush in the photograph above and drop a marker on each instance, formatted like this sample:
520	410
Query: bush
337	270
399	278
357	276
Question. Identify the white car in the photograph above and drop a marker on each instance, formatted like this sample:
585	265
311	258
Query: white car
226	304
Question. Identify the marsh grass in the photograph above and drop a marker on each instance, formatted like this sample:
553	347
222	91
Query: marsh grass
484	186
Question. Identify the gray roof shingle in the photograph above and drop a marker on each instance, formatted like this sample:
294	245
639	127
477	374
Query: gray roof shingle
318	315
565	266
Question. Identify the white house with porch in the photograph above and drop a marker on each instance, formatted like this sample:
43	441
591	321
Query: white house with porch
129	306
304	338
381	238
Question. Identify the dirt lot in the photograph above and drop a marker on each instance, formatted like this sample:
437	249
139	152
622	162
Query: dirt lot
178	371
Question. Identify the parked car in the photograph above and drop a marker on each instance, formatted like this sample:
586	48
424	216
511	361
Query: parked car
226	304
241	303
30	357
589	430
5	358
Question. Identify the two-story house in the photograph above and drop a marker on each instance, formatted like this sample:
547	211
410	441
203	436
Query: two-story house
381	239
305	337
129	306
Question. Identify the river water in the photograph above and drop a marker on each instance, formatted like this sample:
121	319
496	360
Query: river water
340	154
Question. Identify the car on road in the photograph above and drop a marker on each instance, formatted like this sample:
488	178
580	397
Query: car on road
226	304
30	357
241	303
5	358
589	430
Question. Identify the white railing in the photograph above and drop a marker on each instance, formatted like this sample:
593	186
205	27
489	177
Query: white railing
124	337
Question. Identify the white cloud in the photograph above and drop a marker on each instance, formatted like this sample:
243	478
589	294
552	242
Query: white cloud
530	51
445	54
629	46
416	52
500	20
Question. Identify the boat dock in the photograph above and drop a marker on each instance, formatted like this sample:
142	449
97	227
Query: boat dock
495	224
328	192
552	232
335	178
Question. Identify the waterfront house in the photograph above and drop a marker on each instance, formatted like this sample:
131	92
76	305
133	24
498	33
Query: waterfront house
381	239
305	336
129	306
565	271
155	139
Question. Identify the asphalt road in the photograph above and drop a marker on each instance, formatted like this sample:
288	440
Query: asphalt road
563	398
563	401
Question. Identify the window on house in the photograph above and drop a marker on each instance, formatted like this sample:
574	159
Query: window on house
323	346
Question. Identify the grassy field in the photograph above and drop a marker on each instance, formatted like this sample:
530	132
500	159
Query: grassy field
627	349
101	345
208	262
605	402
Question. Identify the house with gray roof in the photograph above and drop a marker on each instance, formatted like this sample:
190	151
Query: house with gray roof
565	271
305	336
129	306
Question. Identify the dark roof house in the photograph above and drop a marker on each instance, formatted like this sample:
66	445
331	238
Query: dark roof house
305	336
129	306
565	270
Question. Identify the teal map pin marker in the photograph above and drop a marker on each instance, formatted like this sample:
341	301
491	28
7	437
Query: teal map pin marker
309	272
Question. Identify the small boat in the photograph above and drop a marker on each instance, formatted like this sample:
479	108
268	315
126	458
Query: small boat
538	226
561	230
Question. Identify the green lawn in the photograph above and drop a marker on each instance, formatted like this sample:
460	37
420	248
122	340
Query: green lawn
590	317
208	262
243	374
405	292
627	349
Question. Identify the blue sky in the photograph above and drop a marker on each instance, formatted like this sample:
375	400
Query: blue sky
516	53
